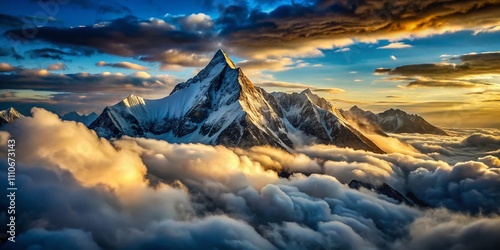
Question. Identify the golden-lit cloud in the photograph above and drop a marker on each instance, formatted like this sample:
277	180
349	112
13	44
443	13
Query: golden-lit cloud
142	74
5	67
280	64
174	59
57	66
91	160
298	87
123	65
471	70
396	45
302	30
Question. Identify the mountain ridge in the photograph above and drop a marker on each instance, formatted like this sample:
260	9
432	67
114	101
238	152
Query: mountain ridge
391	121
220	105
78	117
9	115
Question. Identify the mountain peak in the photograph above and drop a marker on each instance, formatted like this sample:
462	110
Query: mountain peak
220	66
313	97
316	99
307	91
133	100
395	111
221	56
9	115
13	111
355	108
220	105
393	121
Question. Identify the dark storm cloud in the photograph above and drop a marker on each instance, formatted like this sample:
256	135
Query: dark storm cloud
450	75
9	21
57	54
63	239
131	37
10	52
297	29
469	64
83	92
446	83
43	80
4	52
311	25
109	7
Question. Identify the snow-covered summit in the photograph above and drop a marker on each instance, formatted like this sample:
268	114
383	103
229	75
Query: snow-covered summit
220	56
133	100
9	115
220	105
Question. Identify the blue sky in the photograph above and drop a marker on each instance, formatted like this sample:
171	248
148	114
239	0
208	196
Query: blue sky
280	45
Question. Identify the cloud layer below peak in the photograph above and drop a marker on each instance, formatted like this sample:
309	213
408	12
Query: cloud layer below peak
146	194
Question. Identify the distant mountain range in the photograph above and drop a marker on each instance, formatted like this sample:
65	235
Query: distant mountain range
9	115
221	106
78	117
391	121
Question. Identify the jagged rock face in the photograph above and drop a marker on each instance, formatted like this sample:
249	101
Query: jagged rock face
392	121
365	121
398	121
218	106
314	116
221	106
9	115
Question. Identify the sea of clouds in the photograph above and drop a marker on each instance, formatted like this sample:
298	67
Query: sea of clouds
79	191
